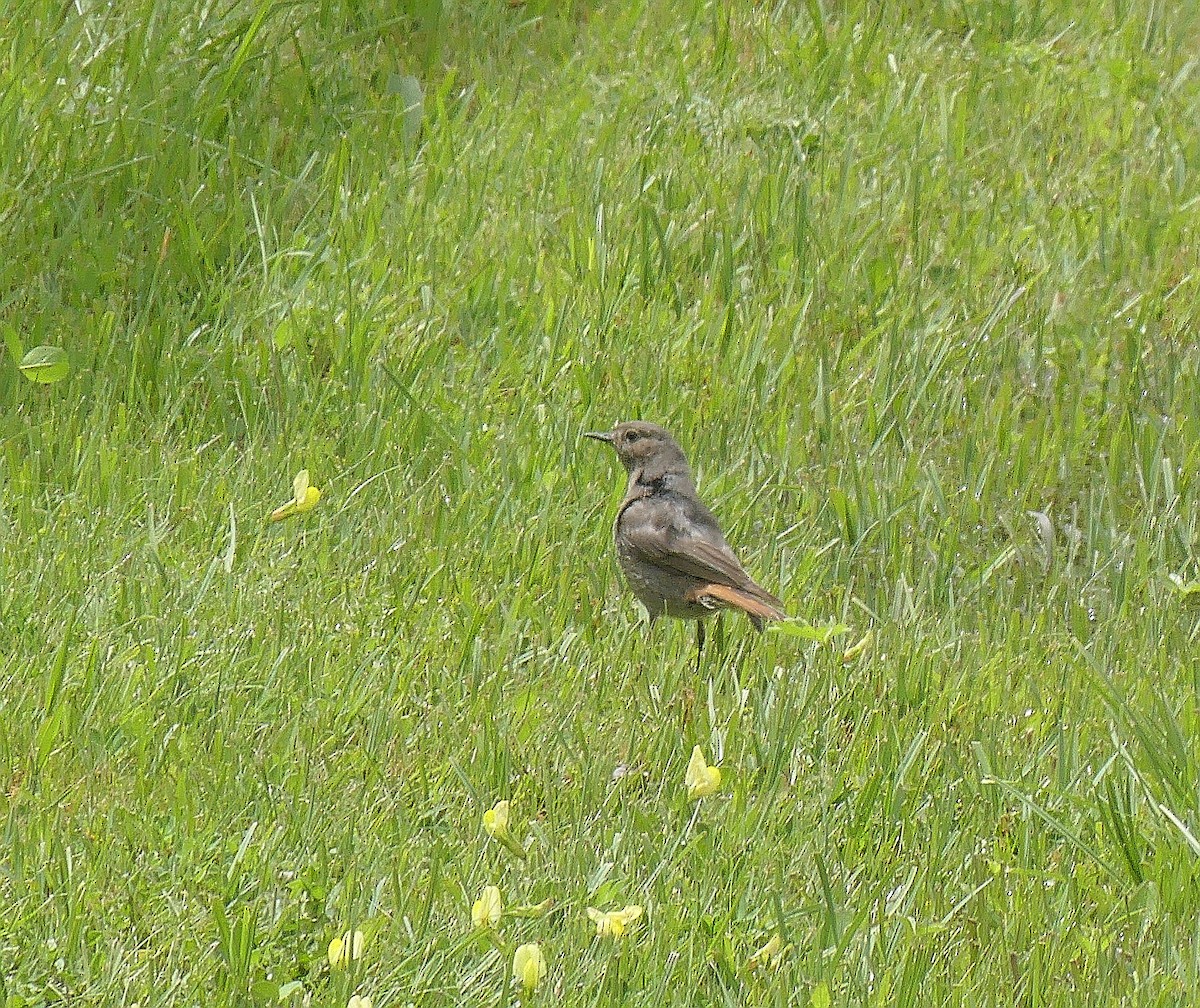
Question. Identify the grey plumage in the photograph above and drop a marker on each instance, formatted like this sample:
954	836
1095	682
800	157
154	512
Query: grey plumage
669	545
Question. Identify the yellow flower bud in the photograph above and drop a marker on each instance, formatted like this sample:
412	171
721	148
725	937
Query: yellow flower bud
614	923
495	819
701	779
769	954
304	498
495	824
487	910
347	947
529	966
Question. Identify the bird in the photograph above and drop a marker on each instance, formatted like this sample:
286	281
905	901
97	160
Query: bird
669	545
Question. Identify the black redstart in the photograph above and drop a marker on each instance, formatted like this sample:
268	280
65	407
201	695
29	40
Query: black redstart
669	544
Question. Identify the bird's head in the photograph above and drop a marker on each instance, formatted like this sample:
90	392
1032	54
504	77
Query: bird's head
644	446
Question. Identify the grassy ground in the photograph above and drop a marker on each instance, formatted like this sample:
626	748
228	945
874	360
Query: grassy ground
915	285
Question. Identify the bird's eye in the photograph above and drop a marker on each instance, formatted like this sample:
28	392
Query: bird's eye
632	435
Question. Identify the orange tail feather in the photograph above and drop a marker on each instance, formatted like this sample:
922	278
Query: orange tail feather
718	595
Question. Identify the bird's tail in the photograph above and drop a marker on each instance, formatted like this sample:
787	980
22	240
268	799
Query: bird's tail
759	605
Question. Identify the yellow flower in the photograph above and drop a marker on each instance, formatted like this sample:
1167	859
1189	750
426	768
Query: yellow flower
346	948
495	824
487	910
529	965
359	1001
495	820
304	498
701	779
769	954
614	923
861	648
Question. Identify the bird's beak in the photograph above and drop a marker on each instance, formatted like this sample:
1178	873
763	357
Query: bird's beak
600	435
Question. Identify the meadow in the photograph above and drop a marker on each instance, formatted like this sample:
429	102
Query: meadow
915	285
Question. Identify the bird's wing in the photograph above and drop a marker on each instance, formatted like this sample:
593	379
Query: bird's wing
689	544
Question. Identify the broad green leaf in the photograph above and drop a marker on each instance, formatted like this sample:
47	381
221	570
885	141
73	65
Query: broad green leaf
45	365
408	89
265	991
283	336
805	631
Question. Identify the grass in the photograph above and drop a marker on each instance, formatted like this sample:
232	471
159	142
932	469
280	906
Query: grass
914	284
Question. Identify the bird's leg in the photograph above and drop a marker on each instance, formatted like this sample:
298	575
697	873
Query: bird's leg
699	643
652	688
